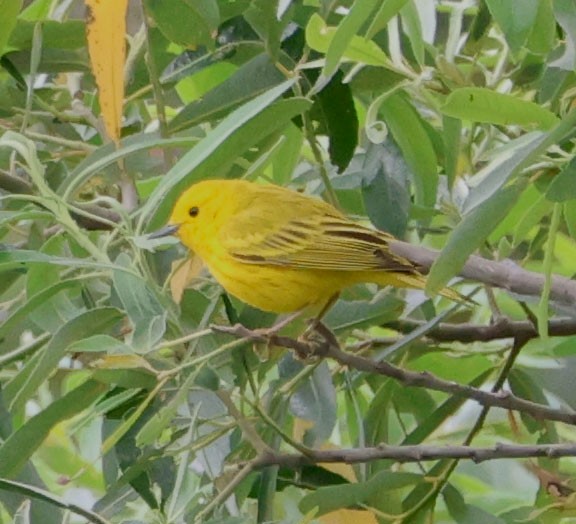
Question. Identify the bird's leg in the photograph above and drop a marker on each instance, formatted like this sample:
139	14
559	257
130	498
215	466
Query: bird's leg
314	342
318	342
317	336
317	320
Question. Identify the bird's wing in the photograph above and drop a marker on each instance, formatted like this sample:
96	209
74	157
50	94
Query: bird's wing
301	236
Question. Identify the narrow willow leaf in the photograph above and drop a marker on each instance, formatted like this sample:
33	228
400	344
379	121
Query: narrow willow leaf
19	447
106	27
479	104
515	24
9	10
469	235
30	377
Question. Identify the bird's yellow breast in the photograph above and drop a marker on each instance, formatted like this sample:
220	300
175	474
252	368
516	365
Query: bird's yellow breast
274	288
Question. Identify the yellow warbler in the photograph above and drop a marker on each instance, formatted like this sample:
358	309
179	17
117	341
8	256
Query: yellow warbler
282	251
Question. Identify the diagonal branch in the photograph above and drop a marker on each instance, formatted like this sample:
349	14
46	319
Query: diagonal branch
331	349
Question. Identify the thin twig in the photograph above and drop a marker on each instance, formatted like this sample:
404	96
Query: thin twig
228	490
248	431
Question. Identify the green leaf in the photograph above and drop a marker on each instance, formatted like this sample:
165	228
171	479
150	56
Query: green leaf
126	378
23	385
109	155
385	188
565	14
19	447
69	35
469	235
100	344
513	221
413	28
336	110
22	258
464	513
524	386
570	217
53	61
327	499
185	22
36	493
543	35
407	129
563	187
161	419
531	218
347	314
36	10
59	308
320	37
7	217
516	24
449	408
508	161
250	80
262	15
288	157
146	313
452	128
197	72
375	418
21	314
346	33
9	10
479	104
388	9
313	400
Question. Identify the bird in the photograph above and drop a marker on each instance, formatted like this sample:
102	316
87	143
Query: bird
283	251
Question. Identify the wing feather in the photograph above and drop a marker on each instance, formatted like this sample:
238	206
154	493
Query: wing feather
307	234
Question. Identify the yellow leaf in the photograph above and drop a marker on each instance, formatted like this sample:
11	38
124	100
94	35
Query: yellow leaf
340	468
183	274
122	362
106	27
346	516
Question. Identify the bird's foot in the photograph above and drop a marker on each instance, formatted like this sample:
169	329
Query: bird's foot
314	343
318	338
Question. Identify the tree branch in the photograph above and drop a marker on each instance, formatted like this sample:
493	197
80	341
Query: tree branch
417	453
506	274
19	186
331	349
502	328
93	224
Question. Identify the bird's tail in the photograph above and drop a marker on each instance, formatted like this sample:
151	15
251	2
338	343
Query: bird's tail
418	281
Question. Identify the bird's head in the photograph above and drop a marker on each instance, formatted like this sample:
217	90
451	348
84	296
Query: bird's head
200	212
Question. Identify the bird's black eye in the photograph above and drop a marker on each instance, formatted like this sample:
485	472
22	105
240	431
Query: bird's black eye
193	211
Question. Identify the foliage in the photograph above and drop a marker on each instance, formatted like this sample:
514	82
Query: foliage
449	124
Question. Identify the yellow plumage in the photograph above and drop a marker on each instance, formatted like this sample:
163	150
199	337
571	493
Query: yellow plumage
281	251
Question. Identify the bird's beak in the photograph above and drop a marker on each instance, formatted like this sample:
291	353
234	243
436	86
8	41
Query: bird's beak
168	230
